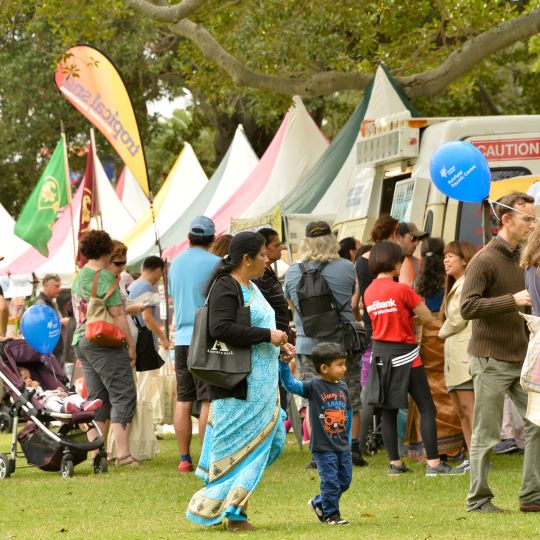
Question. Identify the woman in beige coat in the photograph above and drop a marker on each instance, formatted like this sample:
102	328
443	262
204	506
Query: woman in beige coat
457	332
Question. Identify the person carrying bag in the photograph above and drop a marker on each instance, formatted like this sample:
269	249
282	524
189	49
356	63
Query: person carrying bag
100	327
216	362
246	434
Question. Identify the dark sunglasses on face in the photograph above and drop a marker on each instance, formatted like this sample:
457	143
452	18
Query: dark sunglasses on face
119	263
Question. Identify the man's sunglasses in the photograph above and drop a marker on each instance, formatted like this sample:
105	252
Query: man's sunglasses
119	263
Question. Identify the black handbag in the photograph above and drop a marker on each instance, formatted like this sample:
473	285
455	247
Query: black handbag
216	362
147	356
355	338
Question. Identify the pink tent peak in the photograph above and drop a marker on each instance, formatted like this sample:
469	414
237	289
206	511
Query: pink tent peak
120	183
245	194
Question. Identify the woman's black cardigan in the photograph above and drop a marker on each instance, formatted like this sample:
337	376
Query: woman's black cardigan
223	305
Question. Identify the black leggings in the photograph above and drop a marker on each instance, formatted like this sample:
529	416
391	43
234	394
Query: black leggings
419	391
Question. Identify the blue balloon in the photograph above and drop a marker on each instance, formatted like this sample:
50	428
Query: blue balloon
461	171
40	326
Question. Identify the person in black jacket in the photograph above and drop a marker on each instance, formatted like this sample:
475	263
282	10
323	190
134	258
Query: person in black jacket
245	432
272	290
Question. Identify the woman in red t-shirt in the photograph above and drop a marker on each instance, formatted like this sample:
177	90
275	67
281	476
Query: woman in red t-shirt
392	307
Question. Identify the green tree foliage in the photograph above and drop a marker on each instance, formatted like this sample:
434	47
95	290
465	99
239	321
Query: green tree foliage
286	39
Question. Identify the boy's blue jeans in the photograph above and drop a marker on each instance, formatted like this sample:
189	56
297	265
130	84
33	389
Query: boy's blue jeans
335	471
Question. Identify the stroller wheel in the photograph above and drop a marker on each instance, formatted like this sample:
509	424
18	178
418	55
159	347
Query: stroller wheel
100	464
66	467
5	467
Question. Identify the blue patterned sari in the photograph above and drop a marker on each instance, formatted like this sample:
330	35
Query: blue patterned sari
242	437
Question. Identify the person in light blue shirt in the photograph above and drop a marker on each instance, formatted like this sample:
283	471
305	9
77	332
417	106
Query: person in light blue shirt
152	272
188	278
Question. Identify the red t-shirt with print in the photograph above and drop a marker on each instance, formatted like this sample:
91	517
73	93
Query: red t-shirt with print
390	306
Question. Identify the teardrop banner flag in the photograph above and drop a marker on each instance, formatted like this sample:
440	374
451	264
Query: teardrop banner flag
92	84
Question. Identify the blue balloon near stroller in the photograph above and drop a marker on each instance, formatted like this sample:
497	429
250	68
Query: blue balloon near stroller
40	326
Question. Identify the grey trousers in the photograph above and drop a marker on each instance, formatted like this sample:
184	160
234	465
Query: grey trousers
492	379
109	377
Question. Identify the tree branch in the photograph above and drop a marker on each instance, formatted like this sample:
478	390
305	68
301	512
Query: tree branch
165	13
318	84
428	83
462	60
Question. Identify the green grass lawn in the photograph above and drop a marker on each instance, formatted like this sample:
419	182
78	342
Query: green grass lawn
149	502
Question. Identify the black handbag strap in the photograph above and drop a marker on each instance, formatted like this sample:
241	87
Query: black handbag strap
136	321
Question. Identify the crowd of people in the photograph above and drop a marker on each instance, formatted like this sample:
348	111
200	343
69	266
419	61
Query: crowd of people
443	343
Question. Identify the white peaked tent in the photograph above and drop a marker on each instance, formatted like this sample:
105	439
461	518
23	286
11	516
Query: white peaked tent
240	161
184	183
12	245
114	218
131	194
385	98
303	144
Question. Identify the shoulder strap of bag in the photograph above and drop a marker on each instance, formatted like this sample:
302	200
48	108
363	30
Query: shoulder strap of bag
238	289
338	307
115	283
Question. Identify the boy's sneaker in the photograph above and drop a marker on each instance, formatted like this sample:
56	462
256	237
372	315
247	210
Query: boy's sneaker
336	519
443	469
398	469
317	510
185	466
465	466
92	405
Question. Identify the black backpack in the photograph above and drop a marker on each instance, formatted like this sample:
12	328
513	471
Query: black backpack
317	307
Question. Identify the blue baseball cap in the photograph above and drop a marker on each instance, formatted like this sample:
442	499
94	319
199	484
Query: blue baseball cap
202	226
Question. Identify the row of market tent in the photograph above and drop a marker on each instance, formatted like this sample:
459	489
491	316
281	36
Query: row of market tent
301	176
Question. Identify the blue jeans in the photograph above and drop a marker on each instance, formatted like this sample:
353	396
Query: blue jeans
335	470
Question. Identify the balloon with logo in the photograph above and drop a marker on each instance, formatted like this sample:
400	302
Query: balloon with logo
40	326
461	171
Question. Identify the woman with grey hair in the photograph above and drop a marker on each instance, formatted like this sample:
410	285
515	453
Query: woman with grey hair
320	249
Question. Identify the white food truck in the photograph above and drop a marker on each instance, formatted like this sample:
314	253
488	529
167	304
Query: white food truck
392	172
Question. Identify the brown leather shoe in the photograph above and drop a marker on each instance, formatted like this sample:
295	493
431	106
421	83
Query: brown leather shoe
235	525
530	507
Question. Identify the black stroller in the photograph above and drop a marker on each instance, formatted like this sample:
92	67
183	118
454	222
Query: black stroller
49	440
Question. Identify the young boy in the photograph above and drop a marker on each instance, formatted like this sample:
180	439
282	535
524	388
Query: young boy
59	400
330	415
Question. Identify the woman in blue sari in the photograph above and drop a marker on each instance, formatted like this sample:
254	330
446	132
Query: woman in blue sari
245	432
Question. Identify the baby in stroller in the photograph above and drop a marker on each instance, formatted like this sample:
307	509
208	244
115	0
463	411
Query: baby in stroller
59	400
50	440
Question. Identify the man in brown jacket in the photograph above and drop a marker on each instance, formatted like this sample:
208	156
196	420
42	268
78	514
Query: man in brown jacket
492	296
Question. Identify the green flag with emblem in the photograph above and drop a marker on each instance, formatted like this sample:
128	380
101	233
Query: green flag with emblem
40	210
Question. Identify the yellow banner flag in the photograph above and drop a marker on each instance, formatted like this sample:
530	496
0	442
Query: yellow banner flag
92	84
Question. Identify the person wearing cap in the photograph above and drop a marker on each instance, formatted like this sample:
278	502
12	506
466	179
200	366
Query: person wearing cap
48	295
321	246
188	277
408	236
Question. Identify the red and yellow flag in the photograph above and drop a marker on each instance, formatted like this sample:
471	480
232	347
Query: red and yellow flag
92	84
88	202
